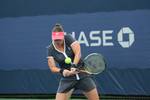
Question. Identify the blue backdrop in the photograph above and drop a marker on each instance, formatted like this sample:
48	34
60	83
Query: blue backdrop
121	36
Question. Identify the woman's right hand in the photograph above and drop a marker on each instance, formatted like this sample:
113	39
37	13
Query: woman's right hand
69	72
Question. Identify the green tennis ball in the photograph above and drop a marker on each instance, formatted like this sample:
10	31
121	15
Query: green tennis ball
68	60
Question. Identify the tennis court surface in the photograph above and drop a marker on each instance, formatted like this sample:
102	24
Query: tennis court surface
74	97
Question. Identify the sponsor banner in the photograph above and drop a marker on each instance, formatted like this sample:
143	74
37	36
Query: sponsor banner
122	37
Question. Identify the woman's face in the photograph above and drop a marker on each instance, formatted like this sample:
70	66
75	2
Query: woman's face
59	42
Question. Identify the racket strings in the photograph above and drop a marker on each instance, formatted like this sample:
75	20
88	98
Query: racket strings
94	63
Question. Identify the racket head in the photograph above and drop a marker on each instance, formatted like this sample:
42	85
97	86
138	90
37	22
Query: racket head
94	63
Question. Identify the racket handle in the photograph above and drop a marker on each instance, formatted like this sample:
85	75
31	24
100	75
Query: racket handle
77	77
74	66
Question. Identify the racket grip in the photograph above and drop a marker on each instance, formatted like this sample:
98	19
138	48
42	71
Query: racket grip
77	77
75	66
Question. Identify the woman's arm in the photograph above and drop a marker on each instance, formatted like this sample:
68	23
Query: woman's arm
77	51
52	65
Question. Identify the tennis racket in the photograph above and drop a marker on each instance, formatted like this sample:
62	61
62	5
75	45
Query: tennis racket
94	63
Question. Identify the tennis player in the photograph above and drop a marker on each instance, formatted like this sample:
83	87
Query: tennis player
64	46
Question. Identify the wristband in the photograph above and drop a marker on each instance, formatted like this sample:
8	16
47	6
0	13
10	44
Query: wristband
61	71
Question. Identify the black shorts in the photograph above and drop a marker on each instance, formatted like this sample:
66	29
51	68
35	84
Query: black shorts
85	84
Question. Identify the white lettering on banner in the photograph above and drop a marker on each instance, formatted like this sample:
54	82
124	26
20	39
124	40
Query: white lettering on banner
84	40
96	38
106	38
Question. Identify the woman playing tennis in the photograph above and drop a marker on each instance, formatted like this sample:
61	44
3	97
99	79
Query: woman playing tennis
64	46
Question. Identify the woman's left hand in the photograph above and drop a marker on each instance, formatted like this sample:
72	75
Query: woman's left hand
74	70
